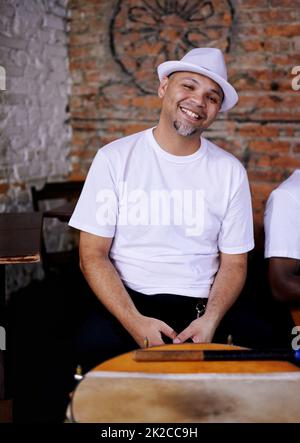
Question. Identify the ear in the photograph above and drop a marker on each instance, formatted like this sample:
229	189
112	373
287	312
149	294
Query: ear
163	87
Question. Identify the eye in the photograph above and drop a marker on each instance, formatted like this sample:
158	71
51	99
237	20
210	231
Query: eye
213	99
190	87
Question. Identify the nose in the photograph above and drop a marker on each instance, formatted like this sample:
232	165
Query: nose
198	100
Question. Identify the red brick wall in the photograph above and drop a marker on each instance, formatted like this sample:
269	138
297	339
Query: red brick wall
114	47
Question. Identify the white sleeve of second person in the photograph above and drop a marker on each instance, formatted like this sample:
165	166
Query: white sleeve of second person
282	225
236	234
96	210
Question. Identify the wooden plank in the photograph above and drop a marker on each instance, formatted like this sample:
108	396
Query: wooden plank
20	237
170	355
20	259
214	355
12	221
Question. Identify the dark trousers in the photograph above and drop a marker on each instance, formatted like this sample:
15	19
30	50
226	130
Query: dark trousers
101	336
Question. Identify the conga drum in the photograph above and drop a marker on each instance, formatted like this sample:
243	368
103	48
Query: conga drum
123	390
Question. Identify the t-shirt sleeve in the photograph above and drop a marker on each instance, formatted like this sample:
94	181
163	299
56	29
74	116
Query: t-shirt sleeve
282	232
236	233
96	210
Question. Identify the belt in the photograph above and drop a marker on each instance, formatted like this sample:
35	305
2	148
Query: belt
201	306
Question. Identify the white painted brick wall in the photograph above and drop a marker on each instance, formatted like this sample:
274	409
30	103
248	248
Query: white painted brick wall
34	133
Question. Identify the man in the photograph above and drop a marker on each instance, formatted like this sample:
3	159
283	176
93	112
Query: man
282	240
166	219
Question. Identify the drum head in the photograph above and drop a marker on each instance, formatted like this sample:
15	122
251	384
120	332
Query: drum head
114	397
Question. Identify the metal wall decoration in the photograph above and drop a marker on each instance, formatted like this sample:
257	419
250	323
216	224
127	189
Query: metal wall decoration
144	33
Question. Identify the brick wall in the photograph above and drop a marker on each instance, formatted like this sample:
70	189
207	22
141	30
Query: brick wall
35	137
34	128
115	45
113	49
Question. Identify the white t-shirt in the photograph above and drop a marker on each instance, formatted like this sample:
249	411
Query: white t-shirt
282	219
169	215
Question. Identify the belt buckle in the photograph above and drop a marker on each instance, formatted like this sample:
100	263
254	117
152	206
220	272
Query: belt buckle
200	307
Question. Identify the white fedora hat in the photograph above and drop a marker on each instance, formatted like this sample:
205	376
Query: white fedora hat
206	61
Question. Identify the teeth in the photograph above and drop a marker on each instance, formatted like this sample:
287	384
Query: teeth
190	113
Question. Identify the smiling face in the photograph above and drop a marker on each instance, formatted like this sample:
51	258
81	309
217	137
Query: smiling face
190	102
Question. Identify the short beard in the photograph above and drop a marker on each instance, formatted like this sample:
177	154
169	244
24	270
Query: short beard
184	130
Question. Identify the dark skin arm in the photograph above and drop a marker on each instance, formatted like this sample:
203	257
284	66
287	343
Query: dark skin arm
284	279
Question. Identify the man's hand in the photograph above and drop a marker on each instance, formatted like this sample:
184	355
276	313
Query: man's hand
199	331
151	329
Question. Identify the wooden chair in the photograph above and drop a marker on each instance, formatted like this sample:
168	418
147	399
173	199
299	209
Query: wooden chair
61	192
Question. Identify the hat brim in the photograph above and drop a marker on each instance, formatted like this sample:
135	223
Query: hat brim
230	94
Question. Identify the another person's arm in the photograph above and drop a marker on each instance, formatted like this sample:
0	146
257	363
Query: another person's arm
284	279
227	286
282	243
108	287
